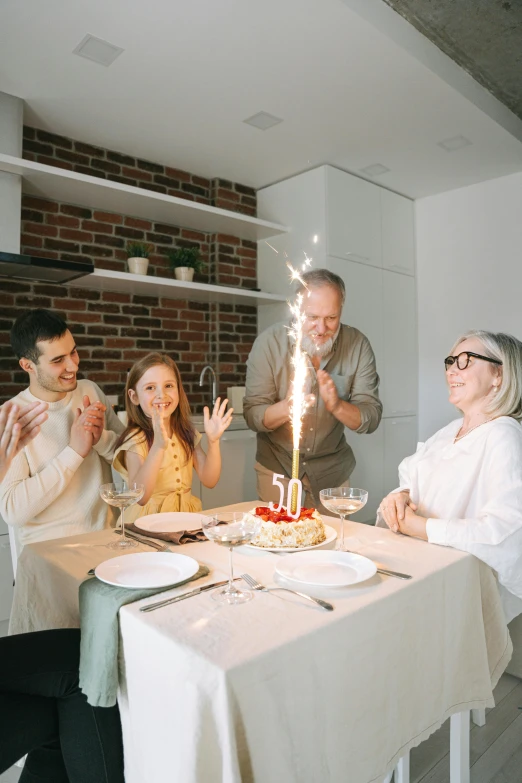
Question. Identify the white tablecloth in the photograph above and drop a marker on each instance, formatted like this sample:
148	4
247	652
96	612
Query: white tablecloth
277	690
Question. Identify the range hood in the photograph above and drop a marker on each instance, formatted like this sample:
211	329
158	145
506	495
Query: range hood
42	269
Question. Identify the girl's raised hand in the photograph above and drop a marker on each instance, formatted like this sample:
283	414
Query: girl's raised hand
216	424
159	427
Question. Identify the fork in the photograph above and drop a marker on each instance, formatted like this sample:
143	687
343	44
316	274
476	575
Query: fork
255	585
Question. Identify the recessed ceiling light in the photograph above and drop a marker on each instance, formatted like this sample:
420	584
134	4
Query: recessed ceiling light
455	143
97	50
375	170
263	120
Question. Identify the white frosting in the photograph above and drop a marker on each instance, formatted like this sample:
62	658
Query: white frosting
301	533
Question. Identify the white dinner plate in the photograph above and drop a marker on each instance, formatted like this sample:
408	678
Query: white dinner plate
169	522
331	535
326	569
147	569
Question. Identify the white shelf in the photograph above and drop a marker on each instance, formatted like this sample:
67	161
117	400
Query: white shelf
70	187
145	285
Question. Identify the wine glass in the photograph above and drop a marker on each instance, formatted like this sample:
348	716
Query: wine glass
231	529
122	496
343	501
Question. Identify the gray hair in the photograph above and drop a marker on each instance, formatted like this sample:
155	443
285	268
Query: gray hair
508	350
316	278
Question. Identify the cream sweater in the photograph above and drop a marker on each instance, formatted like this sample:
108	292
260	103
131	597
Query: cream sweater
49	490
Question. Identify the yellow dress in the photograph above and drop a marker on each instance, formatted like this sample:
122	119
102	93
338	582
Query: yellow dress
173	484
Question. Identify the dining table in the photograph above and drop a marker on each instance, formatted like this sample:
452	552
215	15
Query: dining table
278	689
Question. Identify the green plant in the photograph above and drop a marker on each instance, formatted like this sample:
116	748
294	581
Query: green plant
138	249
186	256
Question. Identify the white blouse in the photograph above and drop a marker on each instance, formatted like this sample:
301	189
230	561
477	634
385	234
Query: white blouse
471	493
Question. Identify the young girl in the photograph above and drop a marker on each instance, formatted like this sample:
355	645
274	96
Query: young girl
160	447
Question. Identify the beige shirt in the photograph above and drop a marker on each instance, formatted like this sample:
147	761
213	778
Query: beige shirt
51	491
325	456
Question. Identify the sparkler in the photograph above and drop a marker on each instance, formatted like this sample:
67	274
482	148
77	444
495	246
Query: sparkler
297	397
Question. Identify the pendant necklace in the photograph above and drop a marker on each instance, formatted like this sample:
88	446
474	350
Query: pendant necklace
459	437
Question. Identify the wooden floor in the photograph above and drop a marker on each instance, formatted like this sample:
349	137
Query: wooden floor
496	748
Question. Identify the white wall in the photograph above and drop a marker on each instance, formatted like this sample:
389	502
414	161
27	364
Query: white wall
469	276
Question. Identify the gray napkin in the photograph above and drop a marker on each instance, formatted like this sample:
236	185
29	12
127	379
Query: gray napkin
100	604
177	538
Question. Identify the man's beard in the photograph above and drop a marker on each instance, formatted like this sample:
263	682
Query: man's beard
51	383
312	348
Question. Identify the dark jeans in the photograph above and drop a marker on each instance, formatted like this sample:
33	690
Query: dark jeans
43	713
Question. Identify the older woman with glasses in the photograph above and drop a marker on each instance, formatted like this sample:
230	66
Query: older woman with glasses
463	486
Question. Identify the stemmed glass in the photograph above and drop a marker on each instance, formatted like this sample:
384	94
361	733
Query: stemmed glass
231	529
343	501
122	496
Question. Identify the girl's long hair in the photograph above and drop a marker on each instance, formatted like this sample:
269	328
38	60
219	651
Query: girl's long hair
138	422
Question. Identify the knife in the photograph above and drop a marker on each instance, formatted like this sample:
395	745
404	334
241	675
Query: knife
176	598
381	570
142	540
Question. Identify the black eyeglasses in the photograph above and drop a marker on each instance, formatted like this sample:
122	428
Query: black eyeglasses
462	360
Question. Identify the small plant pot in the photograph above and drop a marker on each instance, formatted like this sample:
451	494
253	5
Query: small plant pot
184	273
138	266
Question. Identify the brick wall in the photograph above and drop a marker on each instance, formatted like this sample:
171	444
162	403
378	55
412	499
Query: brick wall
114	329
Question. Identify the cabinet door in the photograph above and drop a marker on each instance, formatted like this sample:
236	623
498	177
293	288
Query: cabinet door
398	233
6	578
238	478
353	210
400	440
299	203
363	305
399	372
368	473
273	313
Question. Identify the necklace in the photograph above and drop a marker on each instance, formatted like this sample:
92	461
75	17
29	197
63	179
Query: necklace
459	437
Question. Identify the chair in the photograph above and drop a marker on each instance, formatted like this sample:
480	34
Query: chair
401	771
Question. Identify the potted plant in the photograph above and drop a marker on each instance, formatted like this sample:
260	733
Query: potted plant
185	261
138	259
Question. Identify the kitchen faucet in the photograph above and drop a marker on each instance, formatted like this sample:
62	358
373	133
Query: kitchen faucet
203	371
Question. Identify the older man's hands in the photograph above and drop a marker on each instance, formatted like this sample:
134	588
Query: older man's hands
328	391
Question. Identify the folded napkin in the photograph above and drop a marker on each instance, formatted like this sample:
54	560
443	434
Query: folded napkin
99	649
178	538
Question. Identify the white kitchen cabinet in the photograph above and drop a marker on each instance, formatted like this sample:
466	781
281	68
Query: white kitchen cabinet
353	212
238	477
6	578
368	473
363	303
398	235
400	441
302	201
399	369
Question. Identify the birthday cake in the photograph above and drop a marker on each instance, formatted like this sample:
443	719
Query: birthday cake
280	530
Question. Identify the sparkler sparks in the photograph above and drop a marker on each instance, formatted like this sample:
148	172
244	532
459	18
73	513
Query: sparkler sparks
300	363
297	395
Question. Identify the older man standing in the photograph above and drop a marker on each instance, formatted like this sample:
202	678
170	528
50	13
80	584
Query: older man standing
52	487
343	393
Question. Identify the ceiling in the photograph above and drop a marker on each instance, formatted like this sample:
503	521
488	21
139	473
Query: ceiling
354	82
483	36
